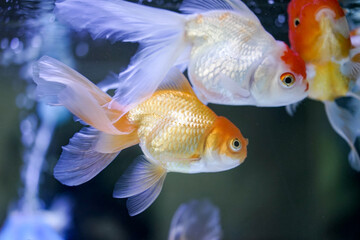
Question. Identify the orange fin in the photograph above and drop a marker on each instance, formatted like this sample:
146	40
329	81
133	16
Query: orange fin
114	143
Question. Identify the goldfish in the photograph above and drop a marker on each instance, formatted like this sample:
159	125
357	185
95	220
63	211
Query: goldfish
319	32
229	56
174	129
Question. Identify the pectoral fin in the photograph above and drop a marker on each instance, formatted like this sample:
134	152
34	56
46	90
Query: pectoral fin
291	108
141	184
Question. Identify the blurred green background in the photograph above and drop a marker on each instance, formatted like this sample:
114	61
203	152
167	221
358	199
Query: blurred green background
296	182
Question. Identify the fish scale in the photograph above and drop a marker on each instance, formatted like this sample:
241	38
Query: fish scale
220	38
175	128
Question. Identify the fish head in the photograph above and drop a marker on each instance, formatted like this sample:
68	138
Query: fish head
318	30
225	147
280	79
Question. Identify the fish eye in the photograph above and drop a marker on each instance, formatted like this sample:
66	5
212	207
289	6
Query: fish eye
296	22
235	145
287	79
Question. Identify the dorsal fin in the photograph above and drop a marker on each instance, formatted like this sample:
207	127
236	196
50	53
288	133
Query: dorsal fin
198	6
175	80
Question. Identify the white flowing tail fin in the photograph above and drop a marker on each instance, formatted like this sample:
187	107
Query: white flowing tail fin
88	153
58	84
196	220
160	34
91	149
346	122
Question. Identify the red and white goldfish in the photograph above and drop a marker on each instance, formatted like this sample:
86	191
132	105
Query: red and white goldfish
175	130
230	57
319	32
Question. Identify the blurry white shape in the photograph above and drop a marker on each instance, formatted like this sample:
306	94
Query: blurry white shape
27	127
271	1
281	18
196	220
36	41
257	10
81	49
38	224
4	43
14	44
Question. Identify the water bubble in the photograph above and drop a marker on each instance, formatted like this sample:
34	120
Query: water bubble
14	44
82	49
257	10
281	18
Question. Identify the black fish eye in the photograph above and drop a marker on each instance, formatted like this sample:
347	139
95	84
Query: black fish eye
287	79
296	22
235	145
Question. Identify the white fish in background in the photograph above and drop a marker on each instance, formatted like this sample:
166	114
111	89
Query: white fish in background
196	220
230	58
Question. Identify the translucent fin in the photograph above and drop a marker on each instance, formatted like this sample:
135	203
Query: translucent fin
142	183
114	143
175	80
79	162
196	220
198	6
346	122
159	32
291	108
352	67
139	203
58	84
341	26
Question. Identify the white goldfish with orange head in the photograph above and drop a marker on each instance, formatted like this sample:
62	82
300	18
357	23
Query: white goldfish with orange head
175	130
319	32
230	57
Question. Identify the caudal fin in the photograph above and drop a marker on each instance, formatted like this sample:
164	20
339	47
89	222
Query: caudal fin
160	34
346	122
88	153
58	84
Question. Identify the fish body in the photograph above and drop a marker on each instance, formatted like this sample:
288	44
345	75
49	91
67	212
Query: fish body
176	132
230	58
319	32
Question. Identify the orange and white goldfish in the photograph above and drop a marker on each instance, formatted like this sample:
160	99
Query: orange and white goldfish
175	130
230	57
319	32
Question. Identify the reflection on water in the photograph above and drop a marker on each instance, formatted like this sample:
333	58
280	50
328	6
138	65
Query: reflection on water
296	179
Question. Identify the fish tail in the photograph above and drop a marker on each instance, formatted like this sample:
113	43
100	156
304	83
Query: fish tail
58	84
88	153
159	32
95	147
345	120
